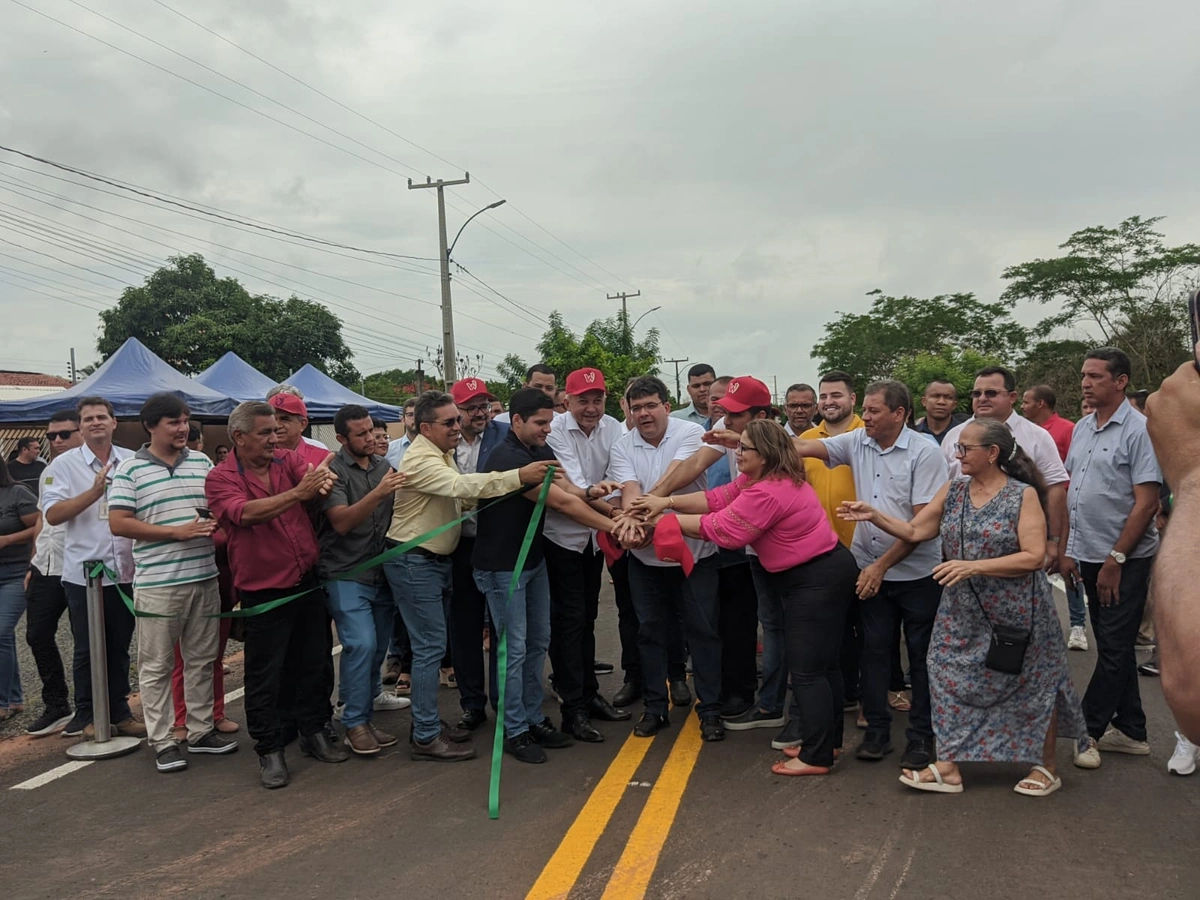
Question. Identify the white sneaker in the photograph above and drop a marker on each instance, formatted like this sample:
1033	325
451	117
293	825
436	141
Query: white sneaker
1078	638
1183	760
1089	758
386	700
1117	741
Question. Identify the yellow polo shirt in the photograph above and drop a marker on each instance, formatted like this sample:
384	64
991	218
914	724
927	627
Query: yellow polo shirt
833	486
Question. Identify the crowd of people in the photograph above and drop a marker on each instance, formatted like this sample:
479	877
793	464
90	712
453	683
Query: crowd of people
840	531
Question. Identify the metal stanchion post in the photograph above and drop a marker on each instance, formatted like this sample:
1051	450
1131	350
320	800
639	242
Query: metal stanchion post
105	745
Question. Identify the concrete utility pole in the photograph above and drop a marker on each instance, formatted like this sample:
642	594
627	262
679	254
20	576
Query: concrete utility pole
74	376
627	331
448	353
678	388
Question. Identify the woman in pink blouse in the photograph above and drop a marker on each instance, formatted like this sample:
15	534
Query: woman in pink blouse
772	509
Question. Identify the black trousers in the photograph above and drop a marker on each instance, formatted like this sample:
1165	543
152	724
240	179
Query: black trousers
915	603
288	646
574	603
628	626
738	627
118	631
468	616
852	647
1113	695
661	595
816	596
45	602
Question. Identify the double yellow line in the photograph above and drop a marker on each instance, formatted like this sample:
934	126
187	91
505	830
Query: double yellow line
631	876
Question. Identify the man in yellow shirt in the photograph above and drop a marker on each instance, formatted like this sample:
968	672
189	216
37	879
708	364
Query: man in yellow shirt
420	579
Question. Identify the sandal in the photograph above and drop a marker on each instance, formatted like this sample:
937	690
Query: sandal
898	700
782	768
1039	789
7	712
937	786
403	686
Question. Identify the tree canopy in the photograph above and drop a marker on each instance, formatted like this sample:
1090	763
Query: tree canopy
190	317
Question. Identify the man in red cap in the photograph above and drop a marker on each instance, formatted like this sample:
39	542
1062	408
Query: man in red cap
291	420
745	399
581	439
468	606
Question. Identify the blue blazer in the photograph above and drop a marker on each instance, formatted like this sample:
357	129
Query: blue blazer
492	436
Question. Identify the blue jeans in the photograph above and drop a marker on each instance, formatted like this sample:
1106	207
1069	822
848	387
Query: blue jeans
774	653
525	619
363	613
421	587
12	606
1076	605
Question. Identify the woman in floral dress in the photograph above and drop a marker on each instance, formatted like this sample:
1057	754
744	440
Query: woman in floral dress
993	532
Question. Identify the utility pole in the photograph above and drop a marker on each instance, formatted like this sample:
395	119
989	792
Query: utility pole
448	352
74	378
775	391
678	387
420	378
626	330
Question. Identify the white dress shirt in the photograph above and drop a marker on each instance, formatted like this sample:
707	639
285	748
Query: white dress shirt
1033	439
633	459
466	457
48	549
87	536
584	459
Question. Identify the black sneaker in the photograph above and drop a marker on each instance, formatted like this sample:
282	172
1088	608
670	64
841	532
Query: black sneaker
550	737
736	706
524	749
602	668
680	694
49	722
711	729
917	755
788	737
1149	668
753	718
874	747
213	742
650	724
170	760
75	727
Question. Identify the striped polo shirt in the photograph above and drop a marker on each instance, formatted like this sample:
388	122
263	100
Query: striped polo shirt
159	494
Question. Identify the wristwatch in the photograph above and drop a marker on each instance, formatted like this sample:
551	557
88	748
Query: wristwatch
1119	557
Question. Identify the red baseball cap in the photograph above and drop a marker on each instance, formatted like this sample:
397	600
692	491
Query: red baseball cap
583	380
609	547
289	403
745	393
467	389
669	545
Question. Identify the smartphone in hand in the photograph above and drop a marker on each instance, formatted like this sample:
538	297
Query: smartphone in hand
1194	324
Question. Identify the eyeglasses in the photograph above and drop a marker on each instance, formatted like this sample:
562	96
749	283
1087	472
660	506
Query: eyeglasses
744	448
475	408
644	407
451	423
794	407
961	449
61	435
990	393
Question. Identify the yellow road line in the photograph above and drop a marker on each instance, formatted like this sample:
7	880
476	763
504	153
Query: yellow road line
562	871
634	869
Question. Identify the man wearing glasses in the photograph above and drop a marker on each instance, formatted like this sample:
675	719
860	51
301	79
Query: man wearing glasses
994	397
421	579
800	404
45	598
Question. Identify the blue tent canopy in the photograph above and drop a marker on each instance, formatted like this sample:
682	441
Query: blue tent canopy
126	379
324	397
234	377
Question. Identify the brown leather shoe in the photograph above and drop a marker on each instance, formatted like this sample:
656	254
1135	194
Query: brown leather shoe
382	737
361	739
130	728
442	750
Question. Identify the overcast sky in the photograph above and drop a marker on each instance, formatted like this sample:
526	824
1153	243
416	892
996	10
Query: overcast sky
753	168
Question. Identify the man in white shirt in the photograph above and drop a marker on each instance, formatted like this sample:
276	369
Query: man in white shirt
582	439
76	493
994	396
45	600
639	459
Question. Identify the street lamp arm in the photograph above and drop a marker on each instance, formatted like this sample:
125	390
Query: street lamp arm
642	316
468	222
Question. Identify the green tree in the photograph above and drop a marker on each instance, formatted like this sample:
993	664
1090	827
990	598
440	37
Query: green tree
951	364
190	317
1124	282
874	344
607	345
1055	363
392	386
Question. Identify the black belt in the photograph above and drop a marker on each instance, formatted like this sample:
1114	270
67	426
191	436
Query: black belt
421	551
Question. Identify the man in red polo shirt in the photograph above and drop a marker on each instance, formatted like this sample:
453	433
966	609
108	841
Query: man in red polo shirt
258	496
1038	406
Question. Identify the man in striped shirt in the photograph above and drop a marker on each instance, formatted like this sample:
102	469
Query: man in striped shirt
157	499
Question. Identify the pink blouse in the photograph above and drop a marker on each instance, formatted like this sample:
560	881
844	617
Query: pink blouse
784	522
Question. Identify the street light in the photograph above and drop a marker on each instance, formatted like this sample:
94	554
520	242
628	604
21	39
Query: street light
468	222
642	316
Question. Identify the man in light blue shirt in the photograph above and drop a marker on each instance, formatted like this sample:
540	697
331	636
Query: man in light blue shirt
700	381
399	657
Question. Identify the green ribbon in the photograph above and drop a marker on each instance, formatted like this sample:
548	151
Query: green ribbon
502	649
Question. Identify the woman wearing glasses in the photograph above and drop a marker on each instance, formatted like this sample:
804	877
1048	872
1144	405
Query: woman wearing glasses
771	508
993	531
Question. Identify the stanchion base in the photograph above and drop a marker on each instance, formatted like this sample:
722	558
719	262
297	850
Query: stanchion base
115	746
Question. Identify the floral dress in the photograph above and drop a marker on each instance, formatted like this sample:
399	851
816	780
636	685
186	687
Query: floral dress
980	715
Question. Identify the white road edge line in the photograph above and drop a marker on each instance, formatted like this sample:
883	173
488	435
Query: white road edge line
77	764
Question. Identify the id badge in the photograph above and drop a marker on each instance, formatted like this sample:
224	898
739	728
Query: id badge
103	508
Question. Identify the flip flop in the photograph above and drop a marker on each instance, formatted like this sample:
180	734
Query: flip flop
899	701
794	752
781	768
937	786
1041	790
403	686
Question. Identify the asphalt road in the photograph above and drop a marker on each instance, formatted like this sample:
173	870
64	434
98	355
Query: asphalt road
668	818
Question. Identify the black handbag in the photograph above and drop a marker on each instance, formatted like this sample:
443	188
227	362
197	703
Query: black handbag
1010	643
